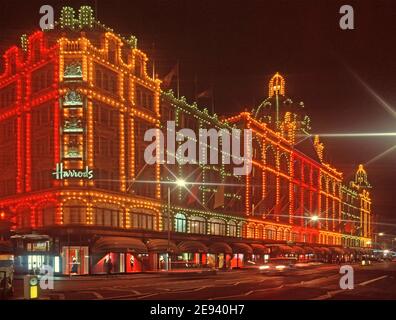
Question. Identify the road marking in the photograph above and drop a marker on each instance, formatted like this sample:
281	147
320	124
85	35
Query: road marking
121	289
371	281
330	294
96	294
61	296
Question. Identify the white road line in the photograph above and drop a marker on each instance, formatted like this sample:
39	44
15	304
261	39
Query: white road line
331	294
121	289
371	281
96	294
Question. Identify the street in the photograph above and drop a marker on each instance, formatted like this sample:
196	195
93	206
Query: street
316	282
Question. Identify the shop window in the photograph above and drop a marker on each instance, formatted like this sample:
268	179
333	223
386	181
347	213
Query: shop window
75	260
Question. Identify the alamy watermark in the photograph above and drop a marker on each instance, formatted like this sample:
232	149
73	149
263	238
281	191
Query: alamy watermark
223	143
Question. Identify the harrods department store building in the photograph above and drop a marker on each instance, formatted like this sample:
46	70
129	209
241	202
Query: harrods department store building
75	103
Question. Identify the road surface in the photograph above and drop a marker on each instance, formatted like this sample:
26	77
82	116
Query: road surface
319	282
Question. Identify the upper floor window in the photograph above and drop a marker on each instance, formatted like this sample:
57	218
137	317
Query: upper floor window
197	225
180	223
144	98
8	96
217	227
42	78
105	79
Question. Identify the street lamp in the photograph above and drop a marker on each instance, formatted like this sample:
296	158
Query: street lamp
314	218
180	183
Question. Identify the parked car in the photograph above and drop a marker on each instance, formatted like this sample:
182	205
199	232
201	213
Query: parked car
278	266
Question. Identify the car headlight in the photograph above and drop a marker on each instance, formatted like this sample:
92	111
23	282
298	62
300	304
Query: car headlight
263	267
280	267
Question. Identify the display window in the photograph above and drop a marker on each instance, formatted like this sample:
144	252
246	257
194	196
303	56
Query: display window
237	260
75	260
134	263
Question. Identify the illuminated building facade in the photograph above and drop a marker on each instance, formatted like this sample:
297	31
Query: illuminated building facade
75	103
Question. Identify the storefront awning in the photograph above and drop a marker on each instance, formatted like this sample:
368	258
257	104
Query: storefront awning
220	247
161	245
298	250
317	250
336	250
241	248
192	247
259	248
6	247
281	249
119	244
322	250
308	250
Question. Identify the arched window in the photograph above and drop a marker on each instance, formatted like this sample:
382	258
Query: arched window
280	234
232	229
270	157
180	223
260	232
284	163
197	225
269	234
287	235
251	231
217	227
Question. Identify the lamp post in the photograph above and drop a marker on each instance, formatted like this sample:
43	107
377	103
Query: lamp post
180	183
169	233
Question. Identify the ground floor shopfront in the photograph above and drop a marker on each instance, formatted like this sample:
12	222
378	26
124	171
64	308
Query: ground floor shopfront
86	251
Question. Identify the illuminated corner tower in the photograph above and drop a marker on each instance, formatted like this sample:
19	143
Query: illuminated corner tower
362	186
75	103
280	113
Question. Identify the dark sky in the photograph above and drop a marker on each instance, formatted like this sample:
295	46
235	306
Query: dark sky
237	45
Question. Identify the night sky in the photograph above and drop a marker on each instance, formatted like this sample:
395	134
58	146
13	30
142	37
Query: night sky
237	45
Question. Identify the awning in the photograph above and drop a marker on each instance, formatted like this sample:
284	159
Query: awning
119	244
192	247
161	245
317	250
220	247
337	250
259	249
241	248
6	247
308	250
297	249
281	249
322	250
